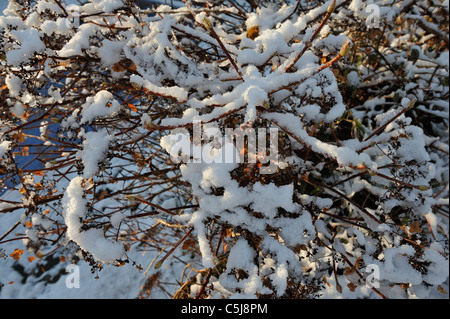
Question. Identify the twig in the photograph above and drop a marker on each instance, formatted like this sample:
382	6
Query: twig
330	10
161	261
382	127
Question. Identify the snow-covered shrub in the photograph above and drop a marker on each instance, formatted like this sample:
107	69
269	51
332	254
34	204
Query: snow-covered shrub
348	106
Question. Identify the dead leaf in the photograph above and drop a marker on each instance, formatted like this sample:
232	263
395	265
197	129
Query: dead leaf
253	32
325	281
188	243
132	107
17	254
351	286
358	263
441	290
349	271
118	67
415	227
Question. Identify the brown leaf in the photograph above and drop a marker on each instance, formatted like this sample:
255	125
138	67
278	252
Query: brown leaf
325	281
358	263
133	67
253	32
349	271
415	227
118	67
25	151
132	107
188	243
64	63
38	173
351	286
17	254
20	137
441	290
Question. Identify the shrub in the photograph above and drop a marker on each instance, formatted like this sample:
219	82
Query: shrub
112	114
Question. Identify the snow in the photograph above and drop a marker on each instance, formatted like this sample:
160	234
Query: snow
79	41
29	44
396	267
355	5
18	109
444	59
241	257
264	201
97	107
42	6
176	92
91	240
4	146
438	271
60	26
95	148
14	85
110	52
353	78
345	156
106	6
116	219
111	282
